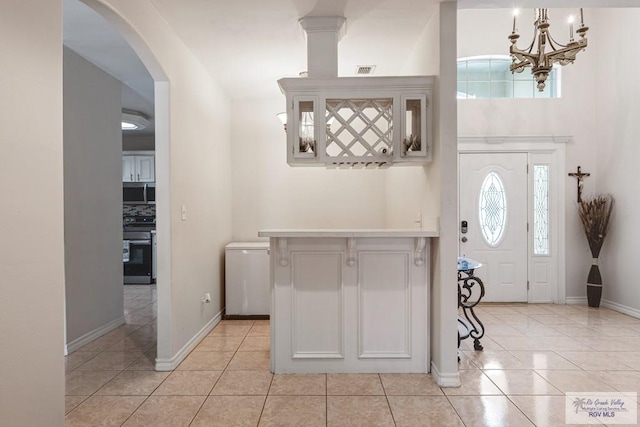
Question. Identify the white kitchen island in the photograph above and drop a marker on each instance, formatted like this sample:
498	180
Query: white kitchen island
349	301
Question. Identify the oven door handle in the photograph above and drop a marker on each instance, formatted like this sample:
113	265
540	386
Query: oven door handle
139	242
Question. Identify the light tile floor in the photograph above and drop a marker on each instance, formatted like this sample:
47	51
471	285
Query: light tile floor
533	354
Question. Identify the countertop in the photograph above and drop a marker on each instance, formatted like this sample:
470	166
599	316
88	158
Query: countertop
349	233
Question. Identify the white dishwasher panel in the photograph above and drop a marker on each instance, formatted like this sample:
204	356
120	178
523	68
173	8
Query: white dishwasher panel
247	280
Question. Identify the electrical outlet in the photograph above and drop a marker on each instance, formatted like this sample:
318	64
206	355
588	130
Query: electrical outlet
207	297
183	212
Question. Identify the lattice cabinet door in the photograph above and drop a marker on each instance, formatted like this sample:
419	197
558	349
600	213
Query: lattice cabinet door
359	130
358	122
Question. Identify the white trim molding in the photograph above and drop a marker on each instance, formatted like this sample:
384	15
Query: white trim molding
517	139
92	335
576	300
624	309
173	362
445	380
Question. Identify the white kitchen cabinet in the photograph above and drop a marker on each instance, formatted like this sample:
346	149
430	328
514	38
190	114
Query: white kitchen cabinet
358	122
138	168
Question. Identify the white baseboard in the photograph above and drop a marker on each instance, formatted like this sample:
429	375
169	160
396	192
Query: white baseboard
445	380
172	363
576	300
92	335
625	309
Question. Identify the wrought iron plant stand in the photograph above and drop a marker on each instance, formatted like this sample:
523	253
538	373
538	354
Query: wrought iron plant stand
470	292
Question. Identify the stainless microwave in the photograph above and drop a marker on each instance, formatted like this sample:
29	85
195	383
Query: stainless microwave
139	193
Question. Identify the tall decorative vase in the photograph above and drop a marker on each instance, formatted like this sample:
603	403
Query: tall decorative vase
594	285
595	215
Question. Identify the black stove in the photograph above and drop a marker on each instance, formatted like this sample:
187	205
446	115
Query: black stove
138	248
139	223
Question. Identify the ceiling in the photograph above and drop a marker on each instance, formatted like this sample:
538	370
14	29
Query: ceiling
248	45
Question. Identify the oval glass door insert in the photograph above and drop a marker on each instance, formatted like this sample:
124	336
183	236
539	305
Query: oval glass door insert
492	209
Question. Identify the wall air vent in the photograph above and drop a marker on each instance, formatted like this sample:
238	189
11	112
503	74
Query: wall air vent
364	70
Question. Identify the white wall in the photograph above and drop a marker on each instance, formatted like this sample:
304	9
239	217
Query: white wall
573	114
616	90
92	196
193	168
415	191
268	193
31	218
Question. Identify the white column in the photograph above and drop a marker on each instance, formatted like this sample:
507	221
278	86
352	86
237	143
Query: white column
445	294
323	35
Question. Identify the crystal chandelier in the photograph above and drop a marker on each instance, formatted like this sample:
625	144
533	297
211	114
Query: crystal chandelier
541	61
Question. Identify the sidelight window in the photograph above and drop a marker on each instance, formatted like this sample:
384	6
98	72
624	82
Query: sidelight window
541	209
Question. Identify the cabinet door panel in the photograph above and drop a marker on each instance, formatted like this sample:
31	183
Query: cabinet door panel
145	166
128	169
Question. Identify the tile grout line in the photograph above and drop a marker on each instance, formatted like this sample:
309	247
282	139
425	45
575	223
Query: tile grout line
387	399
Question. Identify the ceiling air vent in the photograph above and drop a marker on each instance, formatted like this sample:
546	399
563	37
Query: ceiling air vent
363	70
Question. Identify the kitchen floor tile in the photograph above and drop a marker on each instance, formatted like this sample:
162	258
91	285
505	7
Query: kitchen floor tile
226	411
70	402
495	360
243	383
111	360
103	411
547	411
229	330
85	383
146	362
543	360
77	358
226	380
255	344
525	382
133	383
294	411
426	411
250	361
206	361
370	411
473	383
354	384
488	411
597	361
260	330
166	411
409	385
299	385
188	383
210	343
574	381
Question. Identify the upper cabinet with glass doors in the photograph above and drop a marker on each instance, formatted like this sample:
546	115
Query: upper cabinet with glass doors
358	121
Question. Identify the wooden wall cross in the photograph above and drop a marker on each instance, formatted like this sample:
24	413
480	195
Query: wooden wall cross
579	175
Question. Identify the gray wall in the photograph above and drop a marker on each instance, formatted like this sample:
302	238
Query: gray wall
31	234
92	196
138	143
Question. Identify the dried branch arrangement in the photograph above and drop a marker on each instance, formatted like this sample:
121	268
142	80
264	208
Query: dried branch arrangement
595	214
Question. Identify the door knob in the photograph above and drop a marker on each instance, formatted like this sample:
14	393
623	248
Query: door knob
464	239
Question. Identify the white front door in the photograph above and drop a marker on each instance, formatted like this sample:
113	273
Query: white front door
493	202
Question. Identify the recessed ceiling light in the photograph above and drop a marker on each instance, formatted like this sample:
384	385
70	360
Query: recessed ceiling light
133	120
